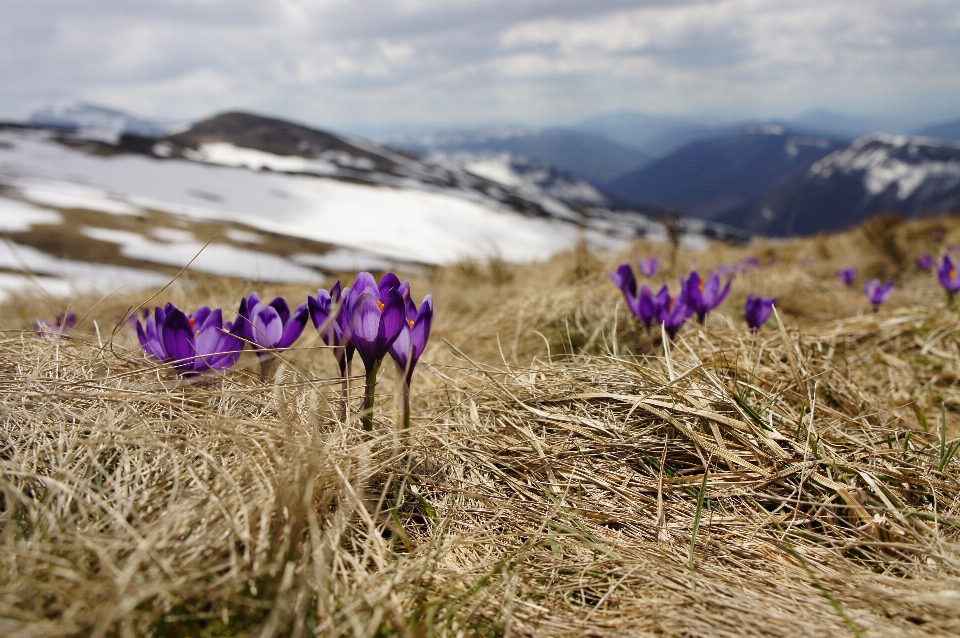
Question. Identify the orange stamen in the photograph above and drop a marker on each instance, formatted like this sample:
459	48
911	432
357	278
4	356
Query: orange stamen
380	305
192	321
410	321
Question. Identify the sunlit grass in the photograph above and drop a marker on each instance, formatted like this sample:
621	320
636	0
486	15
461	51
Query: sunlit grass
563	474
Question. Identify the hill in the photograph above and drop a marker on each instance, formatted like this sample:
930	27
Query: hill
711	177
583	154
915	177
948	131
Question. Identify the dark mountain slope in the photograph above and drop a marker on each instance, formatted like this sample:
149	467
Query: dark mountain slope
711	177
915	177
947	131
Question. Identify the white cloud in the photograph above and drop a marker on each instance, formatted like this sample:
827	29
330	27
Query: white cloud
336	62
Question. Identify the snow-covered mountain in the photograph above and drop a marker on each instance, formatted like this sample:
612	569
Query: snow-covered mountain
913	176
582	154
278	202
713	176
97	122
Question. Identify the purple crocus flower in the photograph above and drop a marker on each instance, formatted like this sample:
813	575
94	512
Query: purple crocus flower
949	279
414	333
271	326
675	314
758	310
192	343
649	266
878	292
411	342
847	275
652	308
328	318
375	315
63	323
701	295
924	262
624	280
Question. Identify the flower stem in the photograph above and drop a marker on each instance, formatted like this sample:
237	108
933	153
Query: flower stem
267	362
367	415
406	405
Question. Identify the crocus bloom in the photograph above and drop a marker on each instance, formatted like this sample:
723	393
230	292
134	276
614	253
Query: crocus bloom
649	266
925	262
758	310
61	324
847	275
624	280
652	308
675	314
877	292
414	333
271	326
328	318
192	343
949	279
375	315
702	296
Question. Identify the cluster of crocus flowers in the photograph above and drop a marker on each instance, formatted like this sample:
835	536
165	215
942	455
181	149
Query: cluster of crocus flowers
847	276
697	296
61	325
757	310
878	292
191	343
949	278
374	320
369	318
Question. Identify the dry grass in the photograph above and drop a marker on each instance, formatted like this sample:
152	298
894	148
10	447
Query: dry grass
561	477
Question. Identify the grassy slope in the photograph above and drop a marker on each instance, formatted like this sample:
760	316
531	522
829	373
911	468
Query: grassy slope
553	482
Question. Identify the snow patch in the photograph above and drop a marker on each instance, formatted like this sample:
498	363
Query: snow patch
172	235
494	169
65	276
226	154
345	260
243	236
880	158
214	259
17	216
68	195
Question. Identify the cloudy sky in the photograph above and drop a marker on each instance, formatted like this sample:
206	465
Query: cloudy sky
375	64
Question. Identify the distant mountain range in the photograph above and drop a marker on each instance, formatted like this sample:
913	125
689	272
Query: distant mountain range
97	121
912	176
800	176
948	131
707	178
584	154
